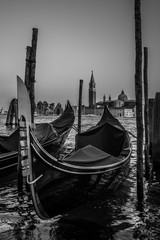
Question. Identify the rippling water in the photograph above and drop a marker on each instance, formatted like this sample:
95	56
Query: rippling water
115	217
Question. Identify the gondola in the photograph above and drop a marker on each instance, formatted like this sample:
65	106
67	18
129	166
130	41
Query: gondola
48	134
59	184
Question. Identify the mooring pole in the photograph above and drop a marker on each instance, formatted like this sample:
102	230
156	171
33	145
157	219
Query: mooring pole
27	67
32	70
12	113
9	119
138	93
146	114
16	111
80	105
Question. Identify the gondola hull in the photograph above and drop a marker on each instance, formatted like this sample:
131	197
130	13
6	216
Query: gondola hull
99	162
8	163
58	185
9	160
58	191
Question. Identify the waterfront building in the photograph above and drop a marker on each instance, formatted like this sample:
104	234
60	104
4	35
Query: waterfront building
120	107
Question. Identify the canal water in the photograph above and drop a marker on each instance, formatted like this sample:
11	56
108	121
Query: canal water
114	217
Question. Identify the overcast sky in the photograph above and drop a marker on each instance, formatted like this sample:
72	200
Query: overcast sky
74	38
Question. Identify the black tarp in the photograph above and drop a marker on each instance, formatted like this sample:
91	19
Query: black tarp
9	143
106	137
44	131
63	122
90	156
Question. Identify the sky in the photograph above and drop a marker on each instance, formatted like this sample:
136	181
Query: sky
74	38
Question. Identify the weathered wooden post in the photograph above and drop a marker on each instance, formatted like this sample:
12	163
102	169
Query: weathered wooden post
16	111
12	113
27	67
138	92
156	131
146	113
32	70
9	118
80	105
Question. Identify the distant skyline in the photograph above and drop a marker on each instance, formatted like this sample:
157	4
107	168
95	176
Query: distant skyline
74	38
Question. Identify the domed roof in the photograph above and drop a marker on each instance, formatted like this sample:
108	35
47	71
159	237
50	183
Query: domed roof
123	96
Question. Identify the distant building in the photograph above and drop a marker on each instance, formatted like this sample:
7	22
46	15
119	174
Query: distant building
123	97
92	92
48	109
120	107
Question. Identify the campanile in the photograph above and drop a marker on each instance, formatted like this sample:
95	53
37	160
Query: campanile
92	91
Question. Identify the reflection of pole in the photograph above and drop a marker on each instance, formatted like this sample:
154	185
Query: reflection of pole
146	113
138	93
80	105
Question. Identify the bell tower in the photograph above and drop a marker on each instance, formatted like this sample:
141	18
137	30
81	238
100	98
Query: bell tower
92	91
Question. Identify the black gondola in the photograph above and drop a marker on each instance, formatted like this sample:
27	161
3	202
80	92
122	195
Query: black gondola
60	184
48	134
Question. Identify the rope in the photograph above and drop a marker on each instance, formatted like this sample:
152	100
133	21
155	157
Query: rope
75	128
132	134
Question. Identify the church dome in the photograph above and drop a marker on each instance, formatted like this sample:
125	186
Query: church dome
123	96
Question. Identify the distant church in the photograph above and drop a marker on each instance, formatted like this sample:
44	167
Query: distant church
121	107
92	92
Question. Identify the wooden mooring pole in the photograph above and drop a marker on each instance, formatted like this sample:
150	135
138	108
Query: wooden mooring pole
12	115
80	105
146	114
139	109
27	68
32	70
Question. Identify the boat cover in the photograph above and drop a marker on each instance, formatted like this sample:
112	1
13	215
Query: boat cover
63	122
91	156
9	143
106	137
44	132
109	118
